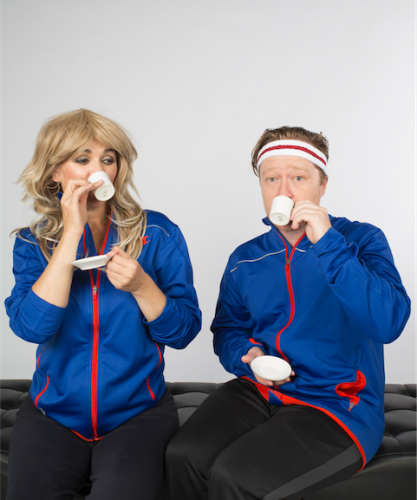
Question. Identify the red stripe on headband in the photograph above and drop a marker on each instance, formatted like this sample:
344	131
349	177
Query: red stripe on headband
306	150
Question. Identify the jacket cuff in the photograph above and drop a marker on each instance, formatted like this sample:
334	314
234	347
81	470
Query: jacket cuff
329	242
255	343
170	320
50	316
247	370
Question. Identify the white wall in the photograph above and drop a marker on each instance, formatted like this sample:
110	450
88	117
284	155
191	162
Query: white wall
196	83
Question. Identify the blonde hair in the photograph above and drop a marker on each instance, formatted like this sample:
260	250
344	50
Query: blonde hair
61	138
319	141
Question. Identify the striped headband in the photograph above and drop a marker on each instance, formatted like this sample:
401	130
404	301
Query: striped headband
293	148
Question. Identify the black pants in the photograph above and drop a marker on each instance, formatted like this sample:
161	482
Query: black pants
238	447
49	462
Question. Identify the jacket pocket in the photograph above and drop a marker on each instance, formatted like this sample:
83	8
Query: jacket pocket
159	354
46	383
350	390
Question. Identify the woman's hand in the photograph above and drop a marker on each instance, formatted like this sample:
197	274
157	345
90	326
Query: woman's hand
253	353
74	204
125	273
54	284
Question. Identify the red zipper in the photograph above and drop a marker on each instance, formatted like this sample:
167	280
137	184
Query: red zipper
290	291
96	325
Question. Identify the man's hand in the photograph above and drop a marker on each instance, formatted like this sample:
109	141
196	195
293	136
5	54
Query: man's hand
253	353
316	219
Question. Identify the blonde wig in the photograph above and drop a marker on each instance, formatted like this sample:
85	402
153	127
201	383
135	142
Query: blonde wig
61	138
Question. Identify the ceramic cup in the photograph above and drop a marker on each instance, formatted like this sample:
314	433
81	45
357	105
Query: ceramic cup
271	368
106	190
281	210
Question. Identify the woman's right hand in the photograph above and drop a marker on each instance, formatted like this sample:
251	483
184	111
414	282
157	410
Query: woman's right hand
74	205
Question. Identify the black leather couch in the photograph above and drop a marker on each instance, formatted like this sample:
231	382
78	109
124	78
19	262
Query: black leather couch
390	475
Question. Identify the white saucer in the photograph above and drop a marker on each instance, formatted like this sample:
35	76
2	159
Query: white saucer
271	368
91	262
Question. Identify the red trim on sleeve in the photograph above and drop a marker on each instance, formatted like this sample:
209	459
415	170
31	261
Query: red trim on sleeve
253	341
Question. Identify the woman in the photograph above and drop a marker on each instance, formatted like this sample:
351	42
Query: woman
98	403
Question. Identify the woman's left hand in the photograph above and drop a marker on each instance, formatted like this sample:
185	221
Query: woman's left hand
124	272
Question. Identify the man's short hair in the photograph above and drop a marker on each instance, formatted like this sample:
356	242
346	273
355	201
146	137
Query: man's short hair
319	141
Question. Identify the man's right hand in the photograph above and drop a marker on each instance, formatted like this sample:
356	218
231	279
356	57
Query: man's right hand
253	353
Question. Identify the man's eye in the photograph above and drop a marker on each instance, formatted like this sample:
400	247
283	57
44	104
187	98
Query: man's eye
298	178
271	179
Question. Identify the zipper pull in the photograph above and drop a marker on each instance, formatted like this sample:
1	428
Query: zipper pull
351	406
95	292
287	263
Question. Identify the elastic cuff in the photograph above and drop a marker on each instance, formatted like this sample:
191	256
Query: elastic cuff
40	315
169	317
331	240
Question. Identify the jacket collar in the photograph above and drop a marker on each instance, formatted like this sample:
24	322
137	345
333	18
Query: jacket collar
304	244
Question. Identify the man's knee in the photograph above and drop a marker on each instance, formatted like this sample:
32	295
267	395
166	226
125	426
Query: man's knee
223	476
183	450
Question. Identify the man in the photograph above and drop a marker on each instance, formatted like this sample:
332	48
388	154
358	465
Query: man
321	293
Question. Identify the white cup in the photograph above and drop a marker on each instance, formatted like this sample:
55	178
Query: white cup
281	210
271	368
106	190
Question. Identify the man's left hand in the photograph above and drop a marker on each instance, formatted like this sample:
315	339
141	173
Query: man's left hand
316	219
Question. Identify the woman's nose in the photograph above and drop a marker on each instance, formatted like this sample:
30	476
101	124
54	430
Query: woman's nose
95	166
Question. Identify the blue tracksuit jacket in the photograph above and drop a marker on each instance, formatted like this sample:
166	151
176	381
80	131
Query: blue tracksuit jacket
327	309
99	362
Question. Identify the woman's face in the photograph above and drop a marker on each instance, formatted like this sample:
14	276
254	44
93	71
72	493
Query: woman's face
95	157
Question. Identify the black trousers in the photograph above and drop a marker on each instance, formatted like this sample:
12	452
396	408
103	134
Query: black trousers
49	462
236	446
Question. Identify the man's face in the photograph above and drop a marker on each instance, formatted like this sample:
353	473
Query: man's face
291	176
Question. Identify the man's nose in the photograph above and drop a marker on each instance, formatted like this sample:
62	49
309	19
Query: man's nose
284	189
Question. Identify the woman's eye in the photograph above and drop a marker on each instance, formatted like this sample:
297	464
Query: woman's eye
82	161
109	161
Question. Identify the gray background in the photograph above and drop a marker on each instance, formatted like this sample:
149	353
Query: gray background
196	83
